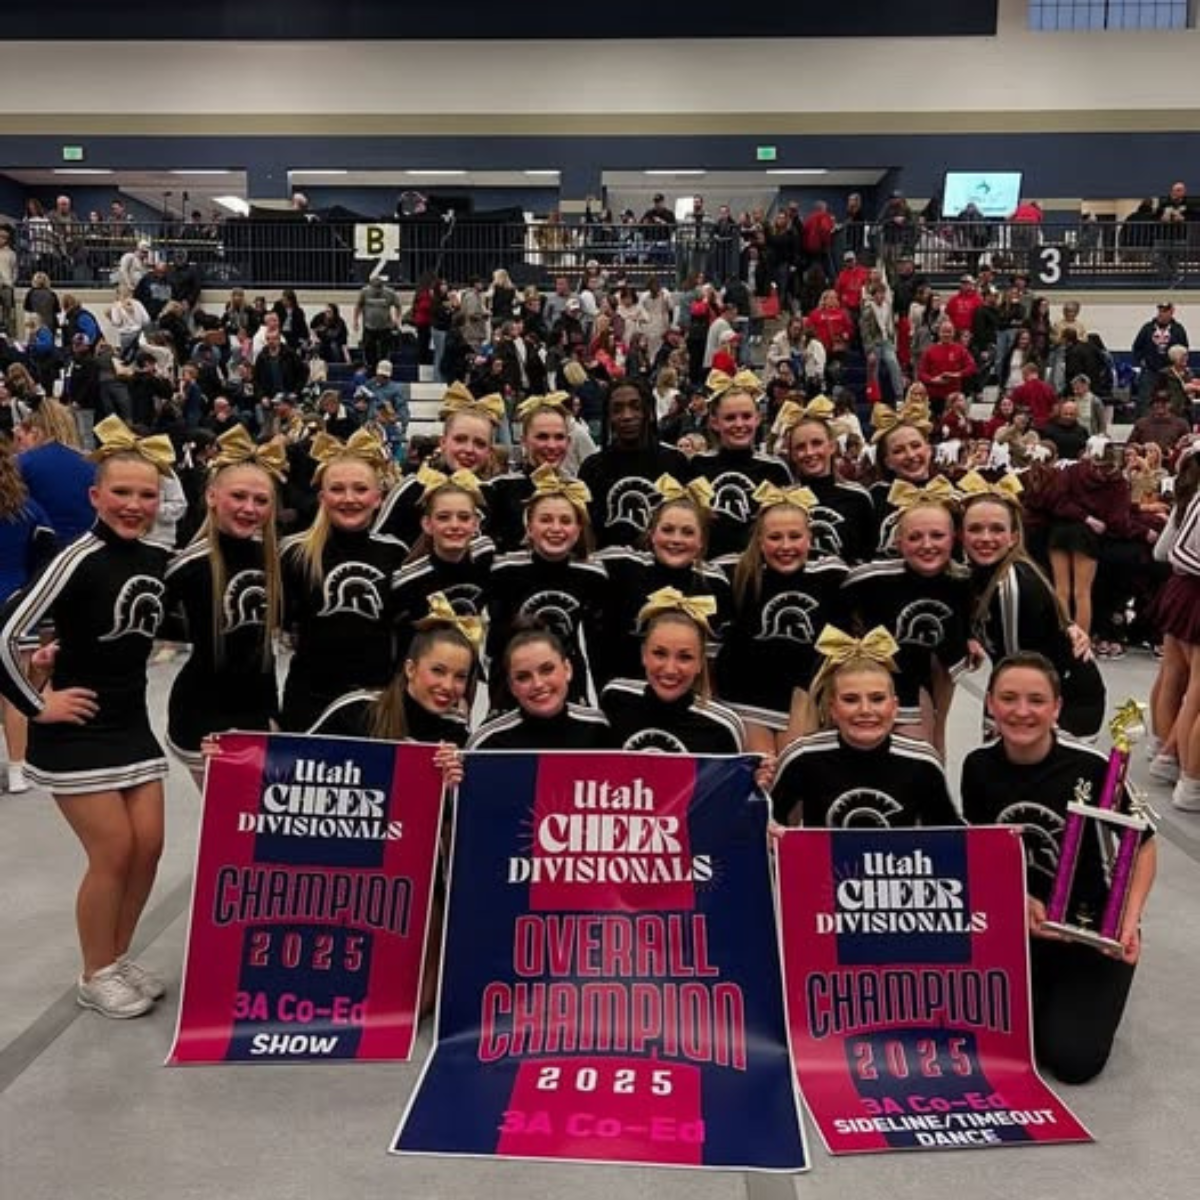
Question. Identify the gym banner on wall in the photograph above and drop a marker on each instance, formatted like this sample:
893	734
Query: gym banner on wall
906	968
311	900
610	973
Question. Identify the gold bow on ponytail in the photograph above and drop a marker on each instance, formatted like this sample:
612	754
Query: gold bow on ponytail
237	449
1007	487
548	482
904	495
913	412
670	599
441	612
718	383
768	495
361	444
699	491
459	400
554	401
467	481
115	437
877	646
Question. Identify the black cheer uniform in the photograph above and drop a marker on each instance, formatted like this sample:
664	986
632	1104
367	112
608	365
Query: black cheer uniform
1079	993
104	594
350	716
823	782
506	497
566	595
633	576
843	521
236	688
929	616
623	493
735	476
575	727
344	628
769	648
464	584
689	725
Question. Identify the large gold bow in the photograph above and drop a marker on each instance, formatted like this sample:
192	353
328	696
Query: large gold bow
819	408
548	482
913	412
115	437
1007	487
905	495
876	646
769	494
431	479
238	449
718	383
459	400
670	599
361	444
557	401
441	612
699	491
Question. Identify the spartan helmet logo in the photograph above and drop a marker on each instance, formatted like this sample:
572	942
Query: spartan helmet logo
788	616
352	588
923	623
655	741
1041	829
823	527
465	598
731	496
245	601
556	610
138	609
631	501
862	808
887	535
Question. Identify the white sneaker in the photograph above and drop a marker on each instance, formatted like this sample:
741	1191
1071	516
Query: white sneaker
111	995
149	983
1164	768
1186	796
1153	746
17	782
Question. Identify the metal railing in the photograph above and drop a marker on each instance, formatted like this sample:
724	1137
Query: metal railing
325	253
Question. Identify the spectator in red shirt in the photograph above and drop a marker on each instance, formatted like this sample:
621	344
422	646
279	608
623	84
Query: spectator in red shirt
816	237
831	324
960	308
945	367
1035	394
851	280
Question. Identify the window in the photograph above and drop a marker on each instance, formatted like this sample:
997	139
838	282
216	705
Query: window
1108	14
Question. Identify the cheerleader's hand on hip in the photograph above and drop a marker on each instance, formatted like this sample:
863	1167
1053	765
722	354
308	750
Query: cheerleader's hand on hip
71	706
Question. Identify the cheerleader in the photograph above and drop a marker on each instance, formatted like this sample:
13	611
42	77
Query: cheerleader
781	601
466	444
671	709
538	674
336	583
449	557
843	519
545	440
735	468
226	586
674	558
922	599
858	772
902	452
554	581
1027	777
90	740
621	476
1014	606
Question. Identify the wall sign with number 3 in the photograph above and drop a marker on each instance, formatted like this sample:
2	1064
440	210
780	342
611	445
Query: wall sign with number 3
1051	266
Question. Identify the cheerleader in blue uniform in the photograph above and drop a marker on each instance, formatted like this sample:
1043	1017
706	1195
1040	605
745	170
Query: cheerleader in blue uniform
90	740
337	583
227	589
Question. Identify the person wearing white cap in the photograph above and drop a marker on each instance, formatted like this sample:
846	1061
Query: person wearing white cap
382	389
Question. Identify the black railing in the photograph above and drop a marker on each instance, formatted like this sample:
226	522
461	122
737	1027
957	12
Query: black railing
325	253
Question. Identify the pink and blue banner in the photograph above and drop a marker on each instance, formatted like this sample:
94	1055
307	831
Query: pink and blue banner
610	976
906	967
311	901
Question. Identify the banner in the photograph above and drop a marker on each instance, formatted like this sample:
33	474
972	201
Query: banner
610	973
310	906
907	976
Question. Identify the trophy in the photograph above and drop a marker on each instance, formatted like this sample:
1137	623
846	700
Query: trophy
1122	828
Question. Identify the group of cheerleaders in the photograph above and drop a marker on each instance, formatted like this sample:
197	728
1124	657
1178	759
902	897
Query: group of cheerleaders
736	604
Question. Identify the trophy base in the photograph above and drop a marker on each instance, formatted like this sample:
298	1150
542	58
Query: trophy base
1089	937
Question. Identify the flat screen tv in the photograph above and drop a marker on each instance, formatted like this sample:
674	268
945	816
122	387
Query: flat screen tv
995	193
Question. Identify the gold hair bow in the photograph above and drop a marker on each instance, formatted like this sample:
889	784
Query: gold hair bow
837	648
534	404
938	490
115	437
670	599
718	383
1007	487
768	495
361	444
441	612
430	480
548	482
913	412
459	400
238	449
819	408
699	491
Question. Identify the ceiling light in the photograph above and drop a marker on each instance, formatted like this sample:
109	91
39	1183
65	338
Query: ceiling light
797	171
82	171
546	174
436	173
679	171
235	204
320	171
202	171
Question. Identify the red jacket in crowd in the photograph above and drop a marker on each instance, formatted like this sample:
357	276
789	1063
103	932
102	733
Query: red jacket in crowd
960	309
1089	489
1037	396
831	325
850	284
817	234
944	357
